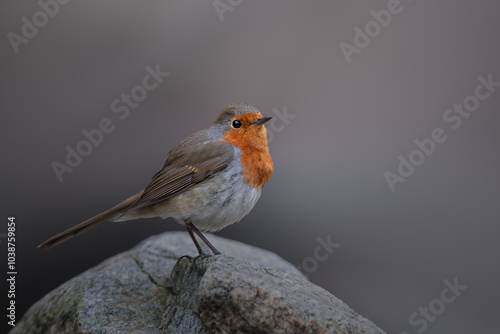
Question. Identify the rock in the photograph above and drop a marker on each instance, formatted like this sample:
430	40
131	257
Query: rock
156	288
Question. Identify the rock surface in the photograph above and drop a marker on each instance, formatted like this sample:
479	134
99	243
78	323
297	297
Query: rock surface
155	288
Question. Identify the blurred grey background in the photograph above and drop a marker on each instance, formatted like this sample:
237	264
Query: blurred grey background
348	124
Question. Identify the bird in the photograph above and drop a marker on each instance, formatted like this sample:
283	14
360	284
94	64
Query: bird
210	180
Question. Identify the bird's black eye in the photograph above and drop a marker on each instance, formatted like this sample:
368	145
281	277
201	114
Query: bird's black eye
236	124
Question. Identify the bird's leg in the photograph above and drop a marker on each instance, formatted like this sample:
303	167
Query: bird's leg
191	228
188	228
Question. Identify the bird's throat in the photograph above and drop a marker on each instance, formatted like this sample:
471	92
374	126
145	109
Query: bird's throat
257	163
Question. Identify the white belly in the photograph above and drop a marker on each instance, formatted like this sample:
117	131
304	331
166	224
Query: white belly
217	202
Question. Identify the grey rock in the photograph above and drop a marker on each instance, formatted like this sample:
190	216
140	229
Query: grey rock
161	286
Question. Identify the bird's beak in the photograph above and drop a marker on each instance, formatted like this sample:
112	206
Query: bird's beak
261	120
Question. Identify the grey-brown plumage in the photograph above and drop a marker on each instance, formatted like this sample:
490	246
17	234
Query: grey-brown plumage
194	184
90	223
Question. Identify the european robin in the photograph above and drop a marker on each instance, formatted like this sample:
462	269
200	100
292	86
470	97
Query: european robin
210	180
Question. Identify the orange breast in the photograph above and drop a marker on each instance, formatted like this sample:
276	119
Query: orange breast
258	166
257	163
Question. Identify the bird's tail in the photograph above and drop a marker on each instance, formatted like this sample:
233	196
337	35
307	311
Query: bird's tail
103	217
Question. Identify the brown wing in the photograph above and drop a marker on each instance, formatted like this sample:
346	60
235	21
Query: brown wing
191	162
